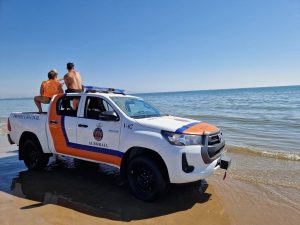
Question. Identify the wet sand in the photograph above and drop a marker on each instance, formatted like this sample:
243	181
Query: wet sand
260	190
249	203
63	194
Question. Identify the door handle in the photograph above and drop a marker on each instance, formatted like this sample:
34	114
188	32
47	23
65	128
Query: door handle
83	125
53	122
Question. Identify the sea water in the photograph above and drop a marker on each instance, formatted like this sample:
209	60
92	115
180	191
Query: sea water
251	119
263	121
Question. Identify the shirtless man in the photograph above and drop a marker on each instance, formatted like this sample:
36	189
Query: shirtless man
73	80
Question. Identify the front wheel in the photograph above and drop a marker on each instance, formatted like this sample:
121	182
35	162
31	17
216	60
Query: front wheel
145	179
34	158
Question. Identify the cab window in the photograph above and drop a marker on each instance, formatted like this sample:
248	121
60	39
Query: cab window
96	107
68	106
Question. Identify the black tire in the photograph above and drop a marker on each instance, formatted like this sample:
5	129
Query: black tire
34	158
145	179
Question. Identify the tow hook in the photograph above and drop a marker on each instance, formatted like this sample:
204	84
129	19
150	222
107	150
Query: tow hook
225	164
225	174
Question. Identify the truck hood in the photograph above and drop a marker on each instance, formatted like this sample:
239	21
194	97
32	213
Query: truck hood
178	125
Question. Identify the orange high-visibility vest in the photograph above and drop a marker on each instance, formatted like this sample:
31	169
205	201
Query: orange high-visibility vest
51	87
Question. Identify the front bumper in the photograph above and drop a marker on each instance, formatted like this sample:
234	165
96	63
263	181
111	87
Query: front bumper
190	165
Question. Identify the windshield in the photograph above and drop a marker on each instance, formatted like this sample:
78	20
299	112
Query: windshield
136	107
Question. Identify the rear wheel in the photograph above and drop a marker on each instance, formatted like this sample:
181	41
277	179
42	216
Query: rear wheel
145	178
34	158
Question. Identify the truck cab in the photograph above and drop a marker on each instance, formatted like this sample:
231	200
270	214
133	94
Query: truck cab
150	148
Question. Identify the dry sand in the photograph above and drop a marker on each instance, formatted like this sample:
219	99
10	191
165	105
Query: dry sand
64	195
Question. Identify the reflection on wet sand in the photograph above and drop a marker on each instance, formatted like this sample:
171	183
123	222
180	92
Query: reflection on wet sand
97	193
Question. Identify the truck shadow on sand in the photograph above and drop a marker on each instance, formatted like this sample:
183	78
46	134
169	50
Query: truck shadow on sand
95	193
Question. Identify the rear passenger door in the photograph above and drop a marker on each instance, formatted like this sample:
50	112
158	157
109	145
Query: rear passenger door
96	131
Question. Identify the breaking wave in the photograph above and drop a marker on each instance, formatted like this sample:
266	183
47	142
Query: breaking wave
295	156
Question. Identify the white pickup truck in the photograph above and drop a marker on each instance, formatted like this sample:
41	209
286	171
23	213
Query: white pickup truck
101	125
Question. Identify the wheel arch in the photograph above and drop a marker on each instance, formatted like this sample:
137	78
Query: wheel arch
27	135
141	151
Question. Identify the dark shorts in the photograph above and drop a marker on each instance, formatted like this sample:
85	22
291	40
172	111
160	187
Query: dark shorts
73	91
46	97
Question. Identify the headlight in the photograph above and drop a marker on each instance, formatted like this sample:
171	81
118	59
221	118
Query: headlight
182	139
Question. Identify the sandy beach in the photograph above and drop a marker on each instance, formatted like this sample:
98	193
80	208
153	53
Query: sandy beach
63	194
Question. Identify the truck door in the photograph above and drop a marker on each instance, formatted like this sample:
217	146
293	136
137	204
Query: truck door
98	131
62	123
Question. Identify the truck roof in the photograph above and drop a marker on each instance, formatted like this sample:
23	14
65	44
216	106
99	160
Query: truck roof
111	95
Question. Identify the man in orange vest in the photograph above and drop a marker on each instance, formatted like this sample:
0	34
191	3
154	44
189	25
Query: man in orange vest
48	89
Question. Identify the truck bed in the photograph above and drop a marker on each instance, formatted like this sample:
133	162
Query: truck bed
31	122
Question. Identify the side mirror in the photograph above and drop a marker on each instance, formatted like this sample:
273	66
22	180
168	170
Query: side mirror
109	116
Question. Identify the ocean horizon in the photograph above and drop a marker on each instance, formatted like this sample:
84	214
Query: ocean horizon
161	92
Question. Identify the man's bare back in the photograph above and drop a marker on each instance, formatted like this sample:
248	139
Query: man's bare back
73	79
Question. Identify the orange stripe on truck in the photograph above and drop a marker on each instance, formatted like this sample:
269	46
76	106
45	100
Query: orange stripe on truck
61	145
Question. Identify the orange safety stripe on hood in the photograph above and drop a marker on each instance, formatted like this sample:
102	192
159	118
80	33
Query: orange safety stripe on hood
198	129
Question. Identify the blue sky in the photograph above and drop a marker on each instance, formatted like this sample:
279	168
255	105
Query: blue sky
149	45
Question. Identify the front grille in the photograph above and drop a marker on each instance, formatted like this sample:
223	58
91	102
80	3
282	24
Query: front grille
214	139
213	147
212	152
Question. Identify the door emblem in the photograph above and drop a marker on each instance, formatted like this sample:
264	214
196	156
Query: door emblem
98	133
